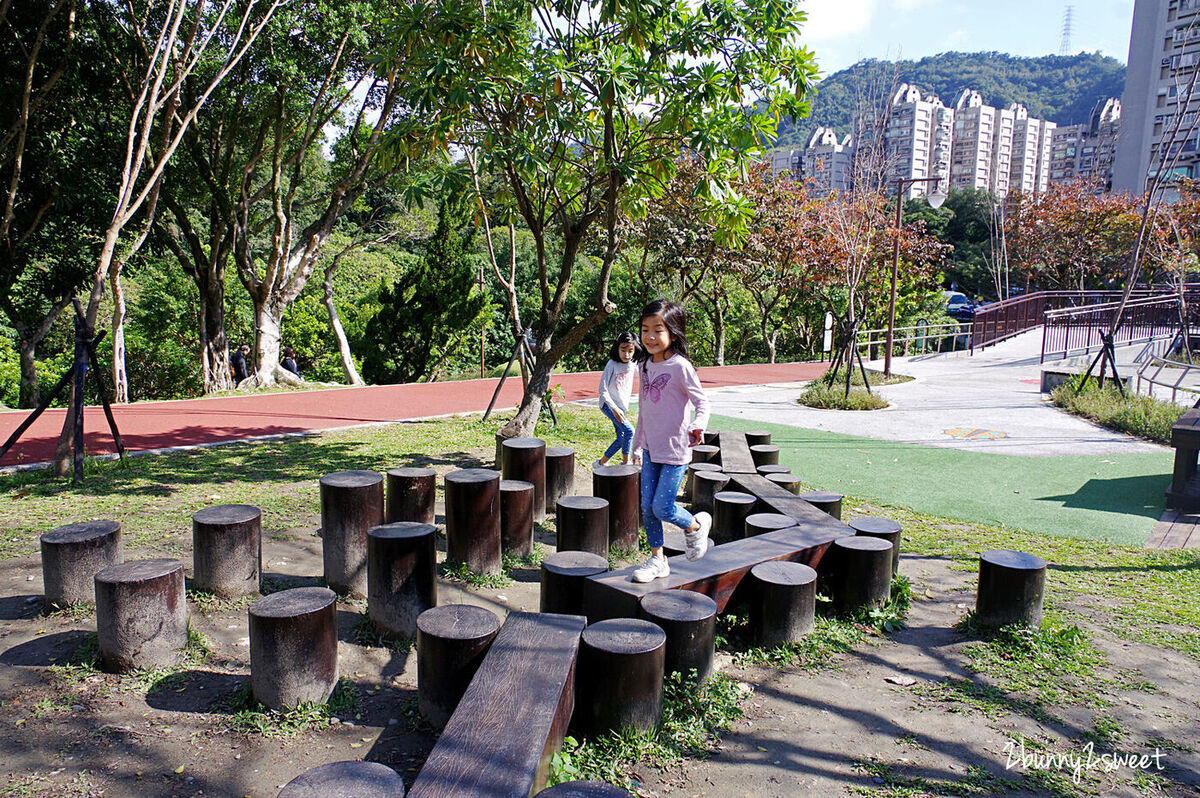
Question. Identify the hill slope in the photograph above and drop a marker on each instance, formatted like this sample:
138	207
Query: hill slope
1062	89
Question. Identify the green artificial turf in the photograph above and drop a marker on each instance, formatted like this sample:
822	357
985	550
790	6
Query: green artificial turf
1114	498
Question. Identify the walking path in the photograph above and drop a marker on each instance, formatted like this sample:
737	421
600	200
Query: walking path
152	426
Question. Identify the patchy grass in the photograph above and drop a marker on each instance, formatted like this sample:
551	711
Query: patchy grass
153	497
692	723
1135	414
459	572
1149	596
248	717
531	560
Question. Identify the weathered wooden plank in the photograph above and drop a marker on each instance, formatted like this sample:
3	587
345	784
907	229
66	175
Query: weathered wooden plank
779	499
735	453
512	719
1161	529
717	574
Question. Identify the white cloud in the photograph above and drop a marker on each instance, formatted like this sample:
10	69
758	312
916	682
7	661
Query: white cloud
836	19
913	5
957	40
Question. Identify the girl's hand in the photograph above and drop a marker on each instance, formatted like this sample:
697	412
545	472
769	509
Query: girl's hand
636	459
695	437
620	416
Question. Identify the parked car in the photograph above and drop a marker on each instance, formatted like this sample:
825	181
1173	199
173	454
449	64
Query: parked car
958	307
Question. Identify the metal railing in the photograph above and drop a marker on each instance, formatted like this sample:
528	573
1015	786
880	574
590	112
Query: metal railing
1151	374
1001	320
1079	330
921	339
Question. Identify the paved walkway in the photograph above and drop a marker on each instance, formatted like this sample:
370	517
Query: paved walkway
986	402
149	426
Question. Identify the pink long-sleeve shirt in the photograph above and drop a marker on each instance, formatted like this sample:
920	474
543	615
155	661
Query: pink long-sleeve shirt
667	388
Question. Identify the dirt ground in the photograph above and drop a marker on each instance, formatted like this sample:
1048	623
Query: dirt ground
831	731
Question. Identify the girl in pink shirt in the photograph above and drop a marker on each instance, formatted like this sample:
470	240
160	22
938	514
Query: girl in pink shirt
665	432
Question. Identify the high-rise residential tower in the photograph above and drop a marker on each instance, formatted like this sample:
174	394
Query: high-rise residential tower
1164	53
1087	150
917	139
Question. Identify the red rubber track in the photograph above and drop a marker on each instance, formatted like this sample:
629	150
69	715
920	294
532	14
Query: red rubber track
189	422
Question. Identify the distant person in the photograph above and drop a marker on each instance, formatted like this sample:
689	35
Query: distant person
237	362
616	389
289	361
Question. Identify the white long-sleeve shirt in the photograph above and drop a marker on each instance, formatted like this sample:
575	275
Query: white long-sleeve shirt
616	385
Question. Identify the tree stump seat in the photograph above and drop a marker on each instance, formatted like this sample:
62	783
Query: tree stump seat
473	519
401	576
294	647
560	475
517	501
582	524
354	779
411	495
761	523
1012	585
524	459
620	485
885	528
689	620
452	641
227	550
351	503
72	555
730	510
512	718
784	603
621	668
563	575
825	501
141	614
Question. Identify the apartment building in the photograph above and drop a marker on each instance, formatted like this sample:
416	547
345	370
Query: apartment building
1088	150
786	163
1032	145
1162	98
917	139
827	161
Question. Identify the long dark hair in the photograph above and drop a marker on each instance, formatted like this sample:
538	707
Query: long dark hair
614	353
675	319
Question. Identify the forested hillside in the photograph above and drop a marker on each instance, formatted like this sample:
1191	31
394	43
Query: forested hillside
1062	89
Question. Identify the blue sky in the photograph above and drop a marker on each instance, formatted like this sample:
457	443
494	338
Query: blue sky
841	32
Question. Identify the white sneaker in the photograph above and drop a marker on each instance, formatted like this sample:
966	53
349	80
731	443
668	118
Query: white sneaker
697	542
654	568
597	464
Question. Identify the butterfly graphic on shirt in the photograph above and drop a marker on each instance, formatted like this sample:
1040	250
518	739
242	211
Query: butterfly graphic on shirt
624	378
653	390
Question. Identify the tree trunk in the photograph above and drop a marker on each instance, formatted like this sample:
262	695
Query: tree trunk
119	374
268	372
524	423
335	323
30	393
718	333
214	346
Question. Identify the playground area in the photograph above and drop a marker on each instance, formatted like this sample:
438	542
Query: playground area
914	700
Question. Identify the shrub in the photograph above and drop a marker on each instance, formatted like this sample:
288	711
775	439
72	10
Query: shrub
833	397
1135	414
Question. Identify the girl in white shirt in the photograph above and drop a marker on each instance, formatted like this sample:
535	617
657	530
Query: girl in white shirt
616	389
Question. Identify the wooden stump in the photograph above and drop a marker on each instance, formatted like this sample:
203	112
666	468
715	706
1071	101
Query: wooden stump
826	502
758	438
711	437
473	519
789	482
560	475
862	575
517	501
411	495
71	557
294	647
583	524
1011	587
730	510
401	576
705	486
346	780
674	542
584	789
692	470
761	523
227	550
767	470
563	575
620	486
689	620
785	602
524	459
620	679
706	453
451	643
141	614
885	528
765	454
351	503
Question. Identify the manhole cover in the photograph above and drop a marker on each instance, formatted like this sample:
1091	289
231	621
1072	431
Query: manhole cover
975	434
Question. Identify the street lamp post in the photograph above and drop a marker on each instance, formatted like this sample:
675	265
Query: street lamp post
935	199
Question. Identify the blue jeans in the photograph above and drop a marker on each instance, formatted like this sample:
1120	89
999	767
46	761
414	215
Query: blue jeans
660	486
624	434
